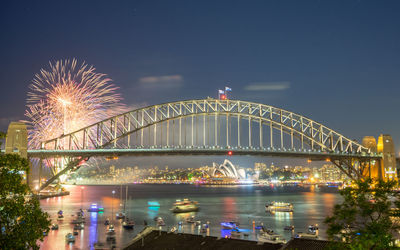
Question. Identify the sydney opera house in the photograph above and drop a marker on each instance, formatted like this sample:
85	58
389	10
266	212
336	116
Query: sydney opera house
227	171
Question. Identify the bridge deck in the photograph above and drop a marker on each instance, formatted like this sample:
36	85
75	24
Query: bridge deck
312	155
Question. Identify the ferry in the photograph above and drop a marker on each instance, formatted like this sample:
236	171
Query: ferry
279	207
185	206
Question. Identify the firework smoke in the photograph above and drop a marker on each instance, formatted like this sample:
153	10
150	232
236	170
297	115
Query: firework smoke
67	97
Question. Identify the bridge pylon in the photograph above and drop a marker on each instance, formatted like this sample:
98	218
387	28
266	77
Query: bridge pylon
385	168
17	143
388	162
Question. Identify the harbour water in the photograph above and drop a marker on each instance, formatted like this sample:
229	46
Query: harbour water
243	204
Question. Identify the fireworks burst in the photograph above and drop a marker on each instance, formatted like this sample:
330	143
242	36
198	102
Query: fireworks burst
68	97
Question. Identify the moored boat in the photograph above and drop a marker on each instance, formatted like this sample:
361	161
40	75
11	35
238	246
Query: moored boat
69	237
289	228
128	224
120	215
271	238
306	235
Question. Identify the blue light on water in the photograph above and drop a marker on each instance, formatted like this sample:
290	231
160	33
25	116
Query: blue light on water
153	203
92	229
153	210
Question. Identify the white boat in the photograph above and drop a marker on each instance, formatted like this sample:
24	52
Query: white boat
69	237
110	233
120	215
236	233
160	222
271	238
190	220
306	235
185	206
279	207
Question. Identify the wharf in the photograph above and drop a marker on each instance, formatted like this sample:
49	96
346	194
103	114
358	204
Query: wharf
152	238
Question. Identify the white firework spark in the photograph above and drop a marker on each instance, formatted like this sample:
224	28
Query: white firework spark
67	97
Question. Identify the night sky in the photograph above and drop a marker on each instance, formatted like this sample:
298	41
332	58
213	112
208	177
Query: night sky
336	62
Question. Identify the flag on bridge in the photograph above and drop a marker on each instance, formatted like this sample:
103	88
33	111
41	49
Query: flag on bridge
228	89
221	94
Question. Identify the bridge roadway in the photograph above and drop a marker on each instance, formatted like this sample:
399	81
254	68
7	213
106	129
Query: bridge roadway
311	155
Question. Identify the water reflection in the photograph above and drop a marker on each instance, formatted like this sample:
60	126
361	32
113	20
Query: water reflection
217	204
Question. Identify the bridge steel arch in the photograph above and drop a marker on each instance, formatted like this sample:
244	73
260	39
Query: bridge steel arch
312	136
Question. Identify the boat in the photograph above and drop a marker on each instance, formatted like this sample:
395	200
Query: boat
229	225
128	224
110	234
236	233
78	220
185	206
312	228
95	208
160	222
289	228
100	246
54	227
120	215
75	232
204	228
60	215
69	238
190	220
80	214
271	238
279	207
306	235
107	222
79	226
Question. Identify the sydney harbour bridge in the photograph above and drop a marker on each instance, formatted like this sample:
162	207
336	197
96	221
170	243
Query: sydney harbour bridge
209	127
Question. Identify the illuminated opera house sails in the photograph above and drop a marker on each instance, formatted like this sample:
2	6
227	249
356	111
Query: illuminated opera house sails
227	169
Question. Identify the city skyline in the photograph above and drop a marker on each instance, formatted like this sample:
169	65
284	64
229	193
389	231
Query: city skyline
329	63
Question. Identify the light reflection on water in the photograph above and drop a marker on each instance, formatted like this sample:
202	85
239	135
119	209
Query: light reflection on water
239	203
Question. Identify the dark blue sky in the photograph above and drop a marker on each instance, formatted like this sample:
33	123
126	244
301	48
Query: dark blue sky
336	62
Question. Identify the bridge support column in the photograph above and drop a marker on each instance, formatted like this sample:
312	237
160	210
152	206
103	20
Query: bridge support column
375	170
388	163
17	143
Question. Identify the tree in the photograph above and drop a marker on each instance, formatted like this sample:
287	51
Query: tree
367	218
22	222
